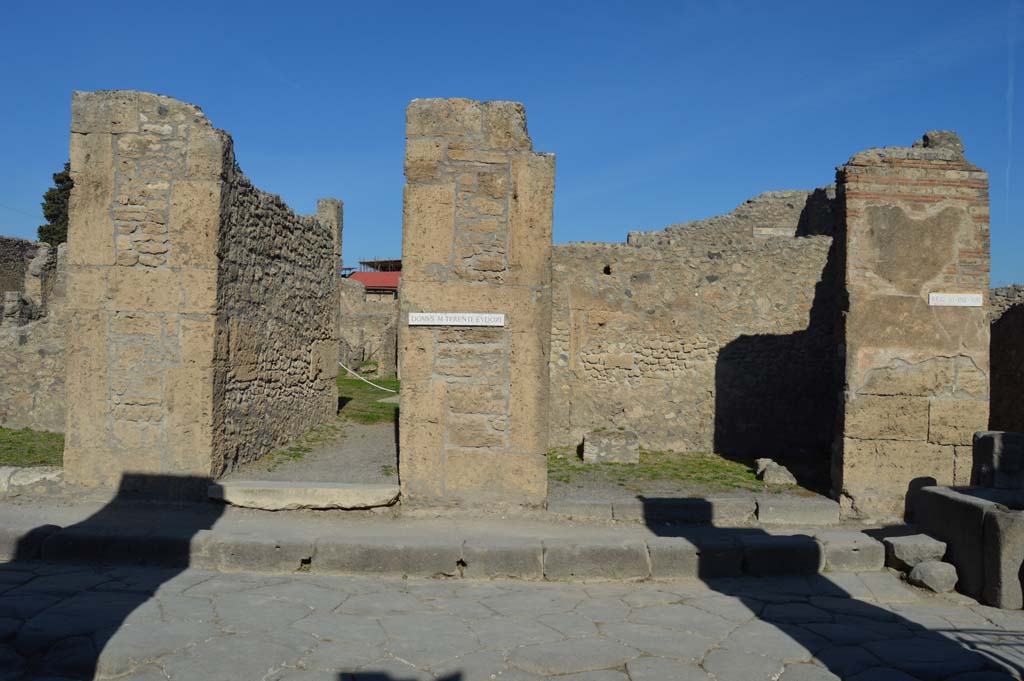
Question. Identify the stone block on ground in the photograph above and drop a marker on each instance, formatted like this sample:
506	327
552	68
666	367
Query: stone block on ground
794	510
998	460
772	473
611	446
847	551
505	558
1004	558
405	557
903	553
934	575
688	557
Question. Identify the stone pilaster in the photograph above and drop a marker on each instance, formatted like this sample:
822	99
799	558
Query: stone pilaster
477	238
916	368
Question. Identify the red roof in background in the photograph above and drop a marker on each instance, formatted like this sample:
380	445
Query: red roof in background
378	280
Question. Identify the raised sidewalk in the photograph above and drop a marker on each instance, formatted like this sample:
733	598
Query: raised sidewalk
544	547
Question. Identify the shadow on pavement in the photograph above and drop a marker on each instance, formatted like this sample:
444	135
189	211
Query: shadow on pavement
66	628
853	638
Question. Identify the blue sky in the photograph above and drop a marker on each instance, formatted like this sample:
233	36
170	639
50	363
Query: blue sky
659	112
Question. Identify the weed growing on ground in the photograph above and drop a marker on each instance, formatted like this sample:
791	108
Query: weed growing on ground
707	471
325	432
26	447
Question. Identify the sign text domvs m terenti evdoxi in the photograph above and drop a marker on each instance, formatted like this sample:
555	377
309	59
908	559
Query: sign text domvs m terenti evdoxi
456	319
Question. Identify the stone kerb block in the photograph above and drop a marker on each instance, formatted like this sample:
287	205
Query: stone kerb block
998	460
611	446
903	553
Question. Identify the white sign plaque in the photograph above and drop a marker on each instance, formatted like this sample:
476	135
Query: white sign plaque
955	299
456	319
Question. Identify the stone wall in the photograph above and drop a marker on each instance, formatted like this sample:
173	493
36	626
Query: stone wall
15	255
916	374
477	238
1007	358
201	311
369	329
32	328
715	335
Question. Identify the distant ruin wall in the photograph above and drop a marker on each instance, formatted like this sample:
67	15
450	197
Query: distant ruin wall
916	369
1006	409
715	335
15	255
201	312
368	328
32	328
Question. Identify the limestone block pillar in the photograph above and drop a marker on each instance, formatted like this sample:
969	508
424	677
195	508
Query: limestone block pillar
477	239
916	332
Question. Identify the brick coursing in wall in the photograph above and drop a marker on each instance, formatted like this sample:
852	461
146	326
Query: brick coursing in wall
916	375
715	335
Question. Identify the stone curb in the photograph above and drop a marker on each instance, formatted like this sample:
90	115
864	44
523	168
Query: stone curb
713	554
15	480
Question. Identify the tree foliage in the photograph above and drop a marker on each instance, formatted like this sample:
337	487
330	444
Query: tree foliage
55	208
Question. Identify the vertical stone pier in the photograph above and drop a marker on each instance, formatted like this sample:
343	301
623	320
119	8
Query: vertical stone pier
202	326
477	239
916	329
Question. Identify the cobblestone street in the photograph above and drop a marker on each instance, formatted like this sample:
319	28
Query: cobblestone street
143	624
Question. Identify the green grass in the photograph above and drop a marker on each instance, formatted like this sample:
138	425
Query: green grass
31	448
359	401
707	471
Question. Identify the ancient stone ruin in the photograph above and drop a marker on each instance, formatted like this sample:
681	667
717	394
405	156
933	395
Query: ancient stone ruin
202	312
477	239
842	332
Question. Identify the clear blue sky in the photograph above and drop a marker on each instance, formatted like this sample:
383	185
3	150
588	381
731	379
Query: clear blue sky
659	112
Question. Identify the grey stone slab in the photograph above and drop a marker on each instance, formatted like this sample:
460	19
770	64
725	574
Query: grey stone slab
601	610
1003	558
484	665
780	555
958	520
12	665
659	669
567	657
343	655
738	665
506	633
602	675
851	551
25	542
882	674
684	618
128	646
570	625
733	608
611	446
391	602
680	557
409	557
903	553
518	558
73	656
845	661
258	553
532	603
230	658
595	559
426	640
887	588
800	613
845	634
785	642
778	509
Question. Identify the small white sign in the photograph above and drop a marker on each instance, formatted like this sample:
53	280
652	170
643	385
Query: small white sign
956	299
456	319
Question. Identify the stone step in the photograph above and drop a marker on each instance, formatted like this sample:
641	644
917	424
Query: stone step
473	551
272	495
717	511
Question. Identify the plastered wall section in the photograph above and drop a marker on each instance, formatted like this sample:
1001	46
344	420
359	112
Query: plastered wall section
916	375
165	242
477	238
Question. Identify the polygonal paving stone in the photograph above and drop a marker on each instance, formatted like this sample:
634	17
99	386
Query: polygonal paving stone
8	627
483	665
794	612
79	615
846	660
576	655
311	595
532	604
658	669
684	618
74	656
123	648
25	606
785	642
390	669
505	633
807	672
569	625
254	611
927	658
426	640
882	674
603	609
12	665
231	658
352	628
844	634
983	676
345	654
853	606
737	665
659	641
734	608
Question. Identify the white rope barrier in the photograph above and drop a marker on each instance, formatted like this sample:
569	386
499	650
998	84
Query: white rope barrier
378	387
